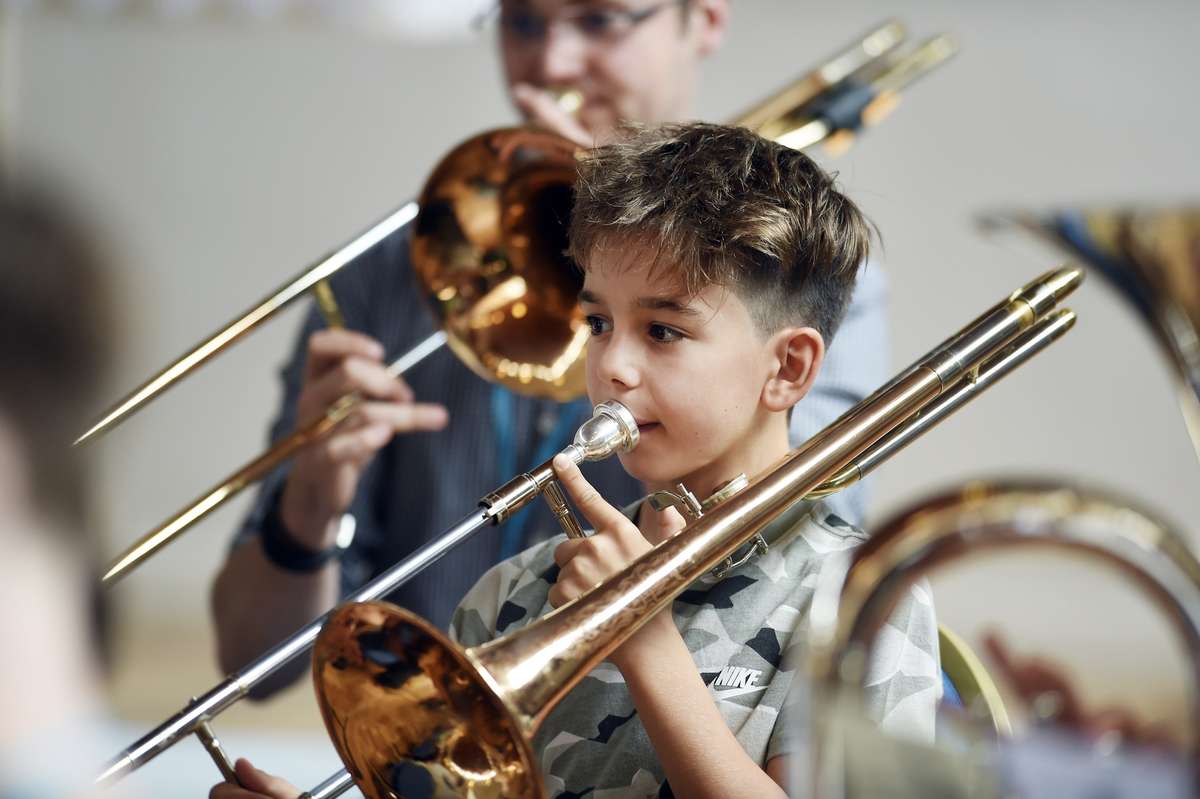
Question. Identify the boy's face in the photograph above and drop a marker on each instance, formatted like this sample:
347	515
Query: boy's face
640	72
691	369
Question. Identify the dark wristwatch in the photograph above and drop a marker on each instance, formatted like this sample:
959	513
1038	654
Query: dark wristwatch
282	549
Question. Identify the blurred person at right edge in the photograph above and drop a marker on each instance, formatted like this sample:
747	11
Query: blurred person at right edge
54	331
404	469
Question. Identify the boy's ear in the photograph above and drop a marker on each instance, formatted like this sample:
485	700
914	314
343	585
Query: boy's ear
797	354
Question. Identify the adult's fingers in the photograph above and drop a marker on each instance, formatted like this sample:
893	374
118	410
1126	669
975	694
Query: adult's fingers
373	425
327	347
541	109
369	378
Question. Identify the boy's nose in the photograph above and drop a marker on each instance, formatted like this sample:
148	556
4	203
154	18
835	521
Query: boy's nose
616	365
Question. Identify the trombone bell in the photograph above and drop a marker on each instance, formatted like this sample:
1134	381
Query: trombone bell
1151	256
468	741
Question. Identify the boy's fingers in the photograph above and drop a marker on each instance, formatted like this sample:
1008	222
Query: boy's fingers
567	550
599	514
671	522
255	779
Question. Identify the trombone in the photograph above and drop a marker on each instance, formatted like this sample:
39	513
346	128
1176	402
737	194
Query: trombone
991	347
1151	256
469	714
497	283
851	605
611	430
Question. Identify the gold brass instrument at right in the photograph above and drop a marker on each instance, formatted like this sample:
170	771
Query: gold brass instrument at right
412	709
487	253
1151	256
850	606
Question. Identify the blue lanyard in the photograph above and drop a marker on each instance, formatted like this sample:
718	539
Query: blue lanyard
504	412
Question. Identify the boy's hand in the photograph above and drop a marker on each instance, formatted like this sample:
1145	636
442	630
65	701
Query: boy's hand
258	785
617	542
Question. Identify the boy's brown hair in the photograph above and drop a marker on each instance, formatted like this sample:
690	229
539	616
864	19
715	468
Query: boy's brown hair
722	206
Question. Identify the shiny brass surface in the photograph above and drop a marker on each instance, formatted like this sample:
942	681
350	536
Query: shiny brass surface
488	253
611	430
1151	256
855	88
402	701
231	486
276	301
323	293
850	607
517	679
783	111
781	117
1044	332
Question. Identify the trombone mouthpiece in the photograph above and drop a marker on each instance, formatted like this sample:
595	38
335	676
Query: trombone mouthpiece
611	430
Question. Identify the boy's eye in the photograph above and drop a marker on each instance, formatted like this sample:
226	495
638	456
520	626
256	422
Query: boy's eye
664	334
598	325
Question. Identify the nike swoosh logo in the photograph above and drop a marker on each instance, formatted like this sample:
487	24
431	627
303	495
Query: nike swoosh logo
729	693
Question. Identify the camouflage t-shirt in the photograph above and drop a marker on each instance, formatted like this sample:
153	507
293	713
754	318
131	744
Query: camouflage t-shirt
738	629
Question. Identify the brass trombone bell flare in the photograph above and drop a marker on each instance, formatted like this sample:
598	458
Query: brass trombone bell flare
411	713
488	252
852	604
1151	256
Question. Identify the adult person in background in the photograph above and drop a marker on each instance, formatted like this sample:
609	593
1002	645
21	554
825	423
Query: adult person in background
54	327
421	452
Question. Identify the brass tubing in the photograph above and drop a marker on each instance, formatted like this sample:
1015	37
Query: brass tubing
612	429
1022	348
255	470
536	666
776	115
263	310
497	694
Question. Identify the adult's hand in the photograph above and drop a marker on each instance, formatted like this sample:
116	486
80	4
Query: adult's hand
542	109
325	475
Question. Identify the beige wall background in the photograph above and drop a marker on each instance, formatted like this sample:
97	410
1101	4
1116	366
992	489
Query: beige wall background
220	156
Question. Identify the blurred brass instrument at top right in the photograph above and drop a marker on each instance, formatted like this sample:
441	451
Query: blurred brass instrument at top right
1151	256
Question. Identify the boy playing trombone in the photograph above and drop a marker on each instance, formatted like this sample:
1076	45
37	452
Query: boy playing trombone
717	267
